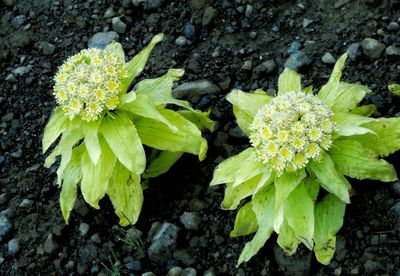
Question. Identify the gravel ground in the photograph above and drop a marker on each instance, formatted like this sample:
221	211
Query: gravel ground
222	45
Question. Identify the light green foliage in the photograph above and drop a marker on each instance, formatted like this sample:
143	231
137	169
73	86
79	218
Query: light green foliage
395	89
338	139
103	131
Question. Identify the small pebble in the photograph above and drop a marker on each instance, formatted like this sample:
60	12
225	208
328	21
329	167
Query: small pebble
181	40
13	247
83	229
327	58
118	25
26	203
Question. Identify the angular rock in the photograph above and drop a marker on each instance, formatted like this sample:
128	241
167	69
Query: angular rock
354	51
266	67
297	61
118	25
196	89
26	203
102	39
23	70
189	271
46	48
49	244
163	243
190	220
5	227
294	47
208	16
13	247
393	51
372	48
296	265
327	58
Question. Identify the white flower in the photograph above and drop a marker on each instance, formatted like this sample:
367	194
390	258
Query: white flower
89	83
290	130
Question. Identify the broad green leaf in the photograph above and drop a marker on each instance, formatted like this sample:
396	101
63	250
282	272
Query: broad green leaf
350	124
116	49
263	206
56	125
312	185
246	106
329	213
394	89
126	194
299	212
127	98
356	161
308	89
144	106
95	178
162	163
330	179
199	118
288	81
234	194
245	222
284	185
72	176
90	131
286	239
239	168
329	91
187	138
387	140
159	89
348	96
122	137
364	110
136	65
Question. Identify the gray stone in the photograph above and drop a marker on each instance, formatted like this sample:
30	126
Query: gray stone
148	274
23	70
118	25
189	31
13	247
47	48
247	65
184	257
49	245
371	266
175	271
396	187
18	21
181	40
109	13
294	47
190	220
372	48
354	51
96	238
5	227
198	89
102	39
208	16
11	78
189	271
26	203
70	265
393	26
393	51
163	243
83	229
307	22
297	60
327	58
3	198
266	67
295	265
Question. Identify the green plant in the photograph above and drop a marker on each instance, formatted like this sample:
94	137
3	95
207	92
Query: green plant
301	143
103	127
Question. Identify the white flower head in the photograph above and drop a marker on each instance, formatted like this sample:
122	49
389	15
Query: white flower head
298	129
89	83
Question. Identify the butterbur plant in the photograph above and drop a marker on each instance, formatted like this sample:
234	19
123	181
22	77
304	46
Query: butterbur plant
303	146
103	128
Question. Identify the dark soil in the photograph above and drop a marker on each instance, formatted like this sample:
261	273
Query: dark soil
239	31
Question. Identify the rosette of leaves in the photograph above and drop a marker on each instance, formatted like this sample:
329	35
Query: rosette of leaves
103	128
292	180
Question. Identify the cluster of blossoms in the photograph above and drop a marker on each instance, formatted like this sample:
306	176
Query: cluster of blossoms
89	83
290	130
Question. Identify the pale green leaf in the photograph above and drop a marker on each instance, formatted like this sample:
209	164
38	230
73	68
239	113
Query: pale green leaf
122	137
127	98
159	90
284	185
56	125
162	163
246	106
394	89
351	158
187	138
329	213
329	91
136	65
199	118
364	110
126	194
263	206
286	239
387	140
312	185
350	124
95	178
299	212
348	96
90	131
116	49
144	106
330	179
308	89
234	194
288	81
245	222
239	168
72	176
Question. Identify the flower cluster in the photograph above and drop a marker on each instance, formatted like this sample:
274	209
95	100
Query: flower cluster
88	83
290	130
